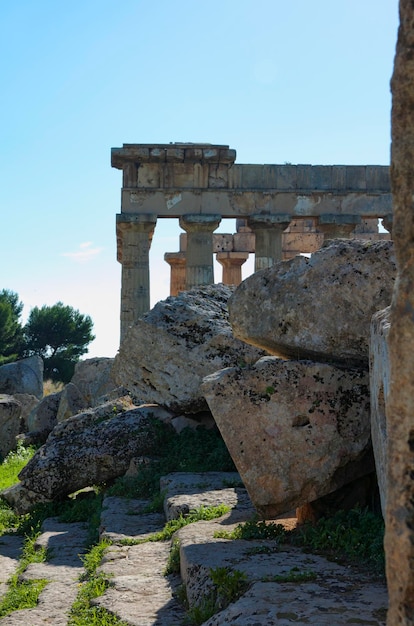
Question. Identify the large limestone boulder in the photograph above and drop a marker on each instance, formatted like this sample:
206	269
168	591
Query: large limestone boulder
94	447
28	403
25	376
71	402
380	377
93	379
318	307
296	430
167	353
43	417
10	412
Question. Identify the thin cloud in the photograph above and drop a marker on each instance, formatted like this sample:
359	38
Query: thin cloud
85	253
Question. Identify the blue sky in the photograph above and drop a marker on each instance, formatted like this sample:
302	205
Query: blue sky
297	81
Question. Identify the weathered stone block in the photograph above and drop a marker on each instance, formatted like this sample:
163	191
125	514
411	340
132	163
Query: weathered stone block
296	430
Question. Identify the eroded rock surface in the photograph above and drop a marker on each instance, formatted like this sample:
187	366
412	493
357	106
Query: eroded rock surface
318	308
24	376
10	412
167	353
91	448
296	430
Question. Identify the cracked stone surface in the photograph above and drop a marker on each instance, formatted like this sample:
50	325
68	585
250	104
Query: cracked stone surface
141	595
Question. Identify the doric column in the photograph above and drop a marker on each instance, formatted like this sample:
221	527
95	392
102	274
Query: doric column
134	234
199	229
337	226
176	260
232	263
268	231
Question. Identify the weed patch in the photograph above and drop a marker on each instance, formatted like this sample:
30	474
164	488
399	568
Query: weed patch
24	594
355	535
197	450
229	585
293	576
83	613
255	530
203	513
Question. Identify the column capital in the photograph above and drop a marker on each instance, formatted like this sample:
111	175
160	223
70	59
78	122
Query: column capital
200	223
337	226
275	221
142	222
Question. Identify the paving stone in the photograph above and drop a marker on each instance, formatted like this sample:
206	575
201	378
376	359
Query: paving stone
10	548
122	518
53	607
185	491
140	593
338	595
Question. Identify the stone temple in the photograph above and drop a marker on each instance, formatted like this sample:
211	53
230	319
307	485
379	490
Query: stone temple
280	211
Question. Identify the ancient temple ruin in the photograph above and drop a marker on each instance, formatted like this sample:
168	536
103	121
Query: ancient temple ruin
280	210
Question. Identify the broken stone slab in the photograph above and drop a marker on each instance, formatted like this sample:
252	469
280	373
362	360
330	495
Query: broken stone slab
140	593
318	307
53	607
185	491
10	412
167	353
90	448
71	402
65	542
123	518
92	378
43	418
334	590
380	377
275	604
24	376
10	551
22	500
296	430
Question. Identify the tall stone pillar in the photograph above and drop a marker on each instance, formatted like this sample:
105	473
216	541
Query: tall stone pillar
176	260
232	263
399	519
268	231
134	235
199	229
337	226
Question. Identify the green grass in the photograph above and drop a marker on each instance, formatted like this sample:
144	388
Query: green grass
83	612
294	575
13	464
196	515
356	536
197	450
24	594
255	530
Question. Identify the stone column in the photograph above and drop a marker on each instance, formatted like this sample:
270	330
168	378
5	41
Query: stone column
399	519
337	226
232	263
268	231
199	229
176	260
134	234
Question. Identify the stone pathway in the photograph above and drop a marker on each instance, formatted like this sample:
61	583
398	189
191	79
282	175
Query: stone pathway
140	593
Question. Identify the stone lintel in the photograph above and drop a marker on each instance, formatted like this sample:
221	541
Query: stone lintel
172	153
339	219
237	204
